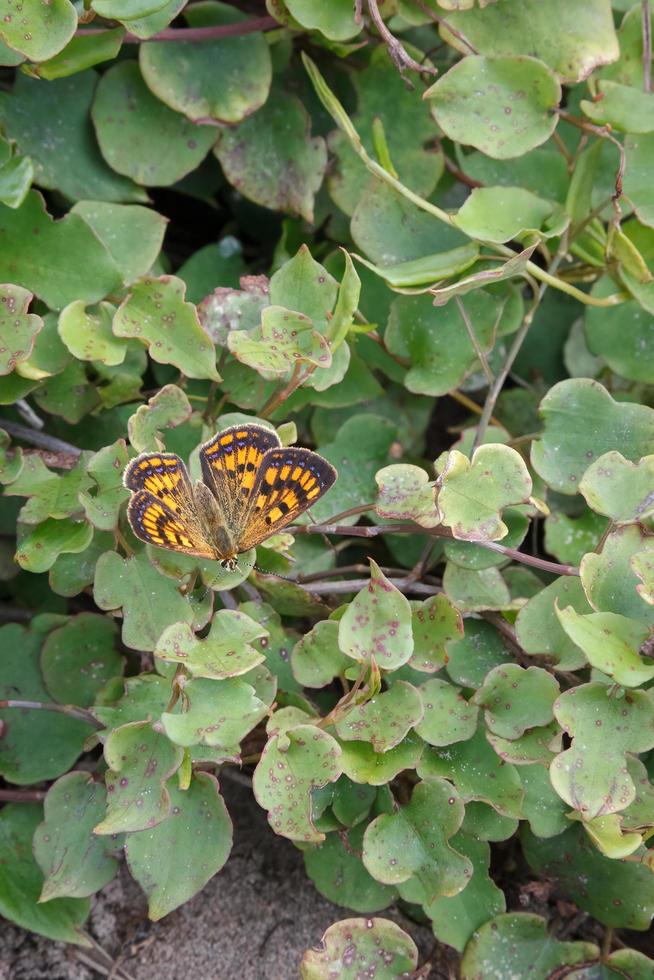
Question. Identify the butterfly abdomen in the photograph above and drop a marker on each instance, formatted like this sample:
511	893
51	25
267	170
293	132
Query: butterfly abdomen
214	521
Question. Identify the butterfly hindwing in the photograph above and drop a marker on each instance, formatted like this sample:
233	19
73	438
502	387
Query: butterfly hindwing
162	509
289	482
231	462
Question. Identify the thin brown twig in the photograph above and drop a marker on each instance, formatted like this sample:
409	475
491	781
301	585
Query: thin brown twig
35	438
72	710
22	795
474	340
453	31
195	33
398	53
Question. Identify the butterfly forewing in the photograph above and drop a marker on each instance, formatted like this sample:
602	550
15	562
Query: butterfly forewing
231	463
288	483
162	509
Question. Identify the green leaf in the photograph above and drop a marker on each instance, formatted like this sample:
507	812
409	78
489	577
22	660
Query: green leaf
362	764
477	773
436	342
472	493
219	714
167	409
16	178
500	214
291	765
621	107
564	453
271	157
537	745
610	580
304	285
278	641
516	699
59	261
435	623
39	547
372	435
476	591
392	230
88	336
335	20
18	328
538	629
79	658
126	9
347	303
74	862
140	761
383	721
155	313
283	340
610	643
407	126
377	624
82	51
591	775
405	493
455	918
621	336
518	943
542	171
619	488
448	717
542	807
132	235
226	651
103	498
502	106
637	184
174	860
139	136
144	698
642	565
40	31
50	124
571	41
146	27
316	659
428	269
607	835
225	79
338	873
354	947
38	744
149	602
469	659
50	495
569	538
21	882
411	846
618	893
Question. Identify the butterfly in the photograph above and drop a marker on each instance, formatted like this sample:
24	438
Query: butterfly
251	488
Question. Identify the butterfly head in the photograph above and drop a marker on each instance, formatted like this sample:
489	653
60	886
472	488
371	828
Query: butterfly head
229	564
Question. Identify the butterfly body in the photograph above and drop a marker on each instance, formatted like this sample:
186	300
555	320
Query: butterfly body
251	487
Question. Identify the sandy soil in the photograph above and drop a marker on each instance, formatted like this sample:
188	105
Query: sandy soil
253	921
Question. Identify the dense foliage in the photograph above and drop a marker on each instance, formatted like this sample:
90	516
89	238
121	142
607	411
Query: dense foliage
418	236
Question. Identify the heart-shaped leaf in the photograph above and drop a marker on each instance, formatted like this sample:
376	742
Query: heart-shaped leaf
219	714
377	624
435	623
283	340
609	578
79	658
384	720
18	328
226	651
405	493
610	643
591	775
516	699
622	490
354	947
447	717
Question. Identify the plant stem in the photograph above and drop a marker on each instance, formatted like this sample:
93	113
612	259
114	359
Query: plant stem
36	438
195	33
500	380
342	120
63	709
399	55
22	795
282	394
474	340
647	47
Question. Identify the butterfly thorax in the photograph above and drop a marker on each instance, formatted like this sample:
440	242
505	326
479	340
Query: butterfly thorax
213	525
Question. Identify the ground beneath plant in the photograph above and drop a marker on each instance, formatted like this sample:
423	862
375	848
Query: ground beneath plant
253	921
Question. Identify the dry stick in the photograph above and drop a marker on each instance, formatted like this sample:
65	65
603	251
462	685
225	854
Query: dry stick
356	584
35	438
64	709
21	795
474	340
399	55
194	33
498	384
647	47
280	396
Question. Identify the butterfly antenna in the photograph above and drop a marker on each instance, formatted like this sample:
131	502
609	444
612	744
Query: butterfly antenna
264	571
